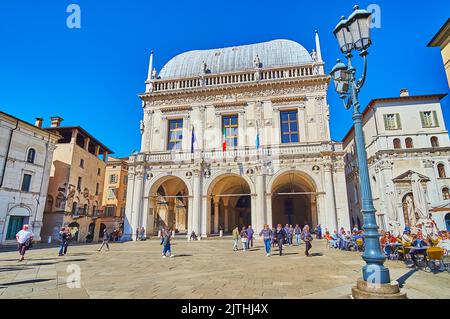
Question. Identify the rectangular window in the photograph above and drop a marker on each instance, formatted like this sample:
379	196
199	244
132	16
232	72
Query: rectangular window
125	179
392	122
96	188
230	128
175	138
429	119
26	183
289	127
98	171
124	194
113	179
111	193
79	183
122	211
109	211
82	163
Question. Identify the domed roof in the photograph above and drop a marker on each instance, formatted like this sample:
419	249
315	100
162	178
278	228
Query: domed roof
271	54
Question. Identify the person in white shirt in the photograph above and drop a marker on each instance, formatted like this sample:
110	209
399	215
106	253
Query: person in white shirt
444	242
24	239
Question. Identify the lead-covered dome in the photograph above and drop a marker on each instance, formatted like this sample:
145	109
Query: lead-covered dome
271	54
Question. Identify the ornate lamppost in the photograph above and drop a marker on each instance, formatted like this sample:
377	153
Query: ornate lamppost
354	34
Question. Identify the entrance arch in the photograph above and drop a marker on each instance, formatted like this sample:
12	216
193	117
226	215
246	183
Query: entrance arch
229	203
294	199
169	201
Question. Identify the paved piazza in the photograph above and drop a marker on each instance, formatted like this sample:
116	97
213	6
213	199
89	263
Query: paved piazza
201	269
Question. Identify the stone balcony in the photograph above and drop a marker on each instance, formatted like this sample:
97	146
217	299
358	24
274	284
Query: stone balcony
234	78
238	154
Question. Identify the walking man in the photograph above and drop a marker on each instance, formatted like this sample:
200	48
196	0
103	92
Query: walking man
167	235
307	238
280	235
297	232
105	240
24	240
250	233
235	235
137	234
266	234
319	232
62	242
143	233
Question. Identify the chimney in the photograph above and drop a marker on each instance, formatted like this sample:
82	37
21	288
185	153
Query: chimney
56	121
38	122
404	92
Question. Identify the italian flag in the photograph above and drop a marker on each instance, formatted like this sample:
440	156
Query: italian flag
224	143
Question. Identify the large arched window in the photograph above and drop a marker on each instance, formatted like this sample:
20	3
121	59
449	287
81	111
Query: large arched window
445	193
397	143
441	170
434	141
409	142
74	208
31	155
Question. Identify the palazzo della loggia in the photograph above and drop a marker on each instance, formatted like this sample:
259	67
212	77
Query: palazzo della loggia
237	136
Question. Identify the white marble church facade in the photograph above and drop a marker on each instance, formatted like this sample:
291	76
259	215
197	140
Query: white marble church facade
184	178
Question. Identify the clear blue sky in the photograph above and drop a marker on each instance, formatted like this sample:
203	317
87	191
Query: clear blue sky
91	77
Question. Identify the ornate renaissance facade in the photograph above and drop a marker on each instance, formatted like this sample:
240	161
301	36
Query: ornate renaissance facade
408	151
237	136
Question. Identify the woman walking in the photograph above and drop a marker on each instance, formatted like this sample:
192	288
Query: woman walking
297	232
307	238
266	234
244	238
280	235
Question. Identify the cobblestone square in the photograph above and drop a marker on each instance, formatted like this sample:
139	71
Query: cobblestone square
200	269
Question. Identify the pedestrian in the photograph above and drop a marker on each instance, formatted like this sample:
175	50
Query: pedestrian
291	235
167	235
193	236
105	240
307	238
24	240
286	231
250	233
274	237
319	232
162	236
297	232
143	234
62	242
280	235
266	234
244	238
137	234
235	235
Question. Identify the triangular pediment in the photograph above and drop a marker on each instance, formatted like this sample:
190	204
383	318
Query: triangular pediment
406	177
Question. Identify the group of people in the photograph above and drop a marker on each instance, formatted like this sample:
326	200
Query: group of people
140	234
346	240
277	236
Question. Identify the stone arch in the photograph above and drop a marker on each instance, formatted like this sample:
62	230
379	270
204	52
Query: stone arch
229	202
293	198
313	182
168	197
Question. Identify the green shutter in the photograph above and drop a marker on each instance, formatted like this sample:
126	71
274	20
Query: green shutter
436	122
422	119
386	125
399	123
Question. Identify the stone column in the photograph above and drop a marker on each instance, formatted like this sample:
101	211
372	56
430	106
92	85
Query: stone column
128	230
226	217
260	203
136	220
432	186
332	222
196	203
171	218
216	216
302	123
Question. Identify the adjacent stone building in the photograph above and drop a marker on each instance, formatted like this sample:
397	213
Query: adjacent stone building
26	153
408	150
76	183
114	193
237	136
442	40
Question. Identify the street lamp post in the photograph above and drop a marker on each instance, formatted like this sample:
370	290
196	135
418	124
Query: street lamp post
354	34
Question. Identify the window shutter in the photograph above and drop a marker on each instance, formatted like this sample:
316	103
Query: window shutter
435	118
422	119
399	123
386	124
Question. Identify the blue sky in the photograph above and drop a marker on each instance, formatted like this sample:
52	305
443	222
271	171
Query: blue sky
91	76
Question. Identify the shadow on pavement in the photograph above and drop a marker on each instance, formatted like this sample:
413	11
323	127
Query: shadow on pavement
182	255
401	281
23	282
13	268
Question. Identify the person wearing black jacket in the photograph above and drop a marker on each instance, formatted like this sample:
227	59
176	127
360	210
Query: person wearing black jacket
63	241
280	235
